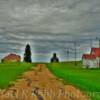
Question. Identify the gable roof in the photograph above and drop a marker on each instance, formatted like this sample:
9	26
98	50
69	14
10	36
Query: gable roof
12	56
89	56
96	51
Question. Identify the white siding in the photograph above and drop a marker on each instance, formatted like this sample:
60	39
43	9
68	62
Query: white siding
90	63
98	62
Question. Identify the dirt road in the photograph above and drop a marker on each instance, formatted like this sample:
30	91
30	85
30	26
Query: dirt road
41	84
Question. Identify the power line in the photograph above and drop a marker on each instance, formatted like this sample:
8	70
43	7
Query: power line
99	48
67	55
75	52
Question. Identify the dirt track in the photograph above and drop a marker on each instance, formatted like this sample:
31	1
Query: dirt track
40	84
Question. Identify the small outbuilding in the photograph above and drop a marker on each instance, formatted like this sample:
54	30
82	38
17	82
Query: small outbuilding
11	58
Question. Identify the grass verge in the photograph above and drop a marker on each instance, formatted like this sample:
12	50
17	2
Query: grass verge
87	80
9	72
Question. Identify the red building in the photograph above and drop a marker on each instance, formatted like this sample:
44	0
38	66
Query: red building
92	60
12	58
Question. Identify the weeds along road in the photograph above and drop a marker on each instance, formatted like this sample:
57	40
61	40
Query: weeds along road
41	84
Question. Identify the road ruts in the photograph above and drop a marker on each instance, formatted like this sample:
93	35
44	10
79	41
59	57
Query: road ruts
40	84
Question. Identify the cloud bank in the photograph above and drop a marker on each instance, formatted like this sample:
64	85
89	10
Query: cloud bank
49	26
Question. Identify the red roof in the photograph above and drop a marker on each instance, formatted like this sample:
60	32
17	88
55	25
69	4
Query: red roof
89	56
96	51
12	56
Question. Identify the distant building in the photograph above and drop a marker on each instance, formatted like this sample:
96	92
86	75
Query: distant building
92	60
11	58
54	58
89	61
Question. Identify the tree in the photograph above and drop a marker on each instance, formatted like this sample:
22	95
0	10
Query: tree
27	54
54	58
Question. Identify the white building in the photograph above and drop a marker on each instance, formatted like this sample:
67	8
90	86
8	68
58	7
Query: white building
92	60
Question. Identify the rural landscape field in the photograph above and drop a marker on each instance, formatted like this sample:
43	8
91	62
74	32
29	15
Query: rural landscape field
49	49
10	72
87	81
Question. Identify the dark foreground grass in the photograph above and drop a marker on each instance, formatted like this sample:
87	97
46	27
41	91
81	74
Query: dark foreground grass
10	72
88	80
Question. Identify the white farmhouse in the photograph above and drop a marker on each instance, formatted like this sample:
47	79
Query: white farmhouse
96	52
92	60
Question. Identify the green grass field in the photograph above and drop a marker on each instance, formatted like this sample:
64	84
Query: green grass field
87	80
10	72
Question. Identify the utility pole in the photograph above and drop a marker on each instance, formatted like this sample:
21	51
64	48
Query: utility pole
99	48
67	55
91	43
99	52
75	52
98	40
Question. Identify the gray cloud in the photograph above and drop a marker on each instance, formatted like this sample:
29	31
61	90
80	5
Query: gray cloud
49	26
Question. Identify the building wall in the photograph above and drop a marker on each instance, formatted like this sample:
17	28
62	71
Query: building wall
98	61
90	63
85	63
11	60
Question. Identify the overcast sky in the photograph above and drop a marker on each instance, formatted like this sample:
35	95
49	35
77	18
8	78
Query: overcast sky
49	26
